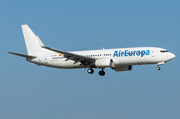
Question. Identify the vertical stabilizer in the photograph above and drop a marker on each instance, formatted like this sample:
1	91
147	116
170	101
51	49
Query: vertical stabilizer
40	42
33	43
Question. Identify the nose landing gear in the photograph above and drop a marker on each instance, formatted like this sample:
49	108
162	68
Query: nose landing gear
160	63
158	68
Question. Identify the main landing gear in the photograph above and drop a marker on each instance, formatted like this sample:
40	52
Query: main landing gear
91	71
102	73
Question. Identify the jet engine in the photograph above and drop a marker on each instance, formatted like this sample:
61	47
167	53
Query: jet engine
113	65
102	63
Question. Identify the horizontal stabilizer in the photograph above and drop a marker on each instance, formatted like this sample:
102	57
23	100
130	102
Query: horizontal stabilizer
22	55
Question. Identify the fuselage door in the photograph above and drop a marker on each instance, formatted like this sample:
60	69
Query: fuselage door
153	53
46	60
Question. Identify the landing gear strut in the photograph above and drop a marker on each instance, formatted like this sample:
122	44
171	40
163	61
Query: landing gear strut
101	73
160	63
90	71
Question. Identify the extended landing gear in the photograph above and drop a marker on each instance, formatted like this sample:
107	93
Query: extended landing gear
90	71
160	63
102	73
158	68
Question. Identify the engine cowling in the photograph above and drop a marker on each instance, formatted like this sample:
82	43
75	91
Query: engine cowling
101	63
123	68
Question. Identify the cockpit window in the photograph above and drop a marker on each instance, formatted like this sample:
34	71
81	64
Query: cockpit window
163	51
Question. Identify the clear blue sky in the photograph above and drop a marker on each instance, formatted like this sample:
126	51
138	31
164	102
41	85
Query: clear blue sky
28	91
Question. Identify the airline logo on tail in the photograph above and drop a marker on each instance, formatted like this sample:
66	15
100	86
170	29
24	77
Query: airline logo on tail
131	53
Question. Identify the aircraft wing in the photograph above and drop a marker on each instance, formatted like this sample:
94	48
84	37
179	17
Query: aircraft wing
22	55
75	57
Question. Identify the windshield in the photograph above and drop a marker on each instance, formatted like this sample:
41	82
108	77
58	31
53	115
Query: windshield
163	51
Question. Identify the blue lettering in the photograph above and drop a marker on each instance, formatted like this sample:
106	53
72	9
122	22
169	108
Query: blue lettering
131	53
134	53
122	53
126	52
147	52
119	53
115	54
138	53
142	53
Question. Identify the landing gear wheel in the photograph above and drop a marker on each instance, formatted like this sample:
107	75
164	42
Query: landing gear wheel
90	71
101	73
158	68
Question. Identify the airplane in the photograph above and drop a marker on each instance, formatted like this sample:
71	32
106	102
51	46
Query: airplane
119	59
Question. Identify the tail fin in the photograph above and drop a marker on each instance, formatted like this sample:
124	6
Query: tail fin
33	43
40	42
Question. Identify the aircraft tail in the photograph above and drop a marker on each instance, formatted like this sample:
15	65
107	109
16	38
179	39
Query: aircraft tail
33	42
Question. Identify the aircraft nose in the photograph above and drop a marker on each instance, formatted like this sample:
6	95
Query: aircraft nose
172	56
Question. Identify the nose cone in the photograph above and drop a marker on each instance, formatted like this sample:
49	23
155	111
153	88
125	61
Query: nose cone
172	56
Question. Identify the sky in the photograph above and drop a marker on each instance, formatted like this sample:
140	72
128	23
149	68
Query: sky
29	91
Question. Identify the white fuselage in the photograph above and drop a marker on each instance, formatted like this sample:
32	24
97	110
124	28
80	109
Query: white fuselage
121	57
